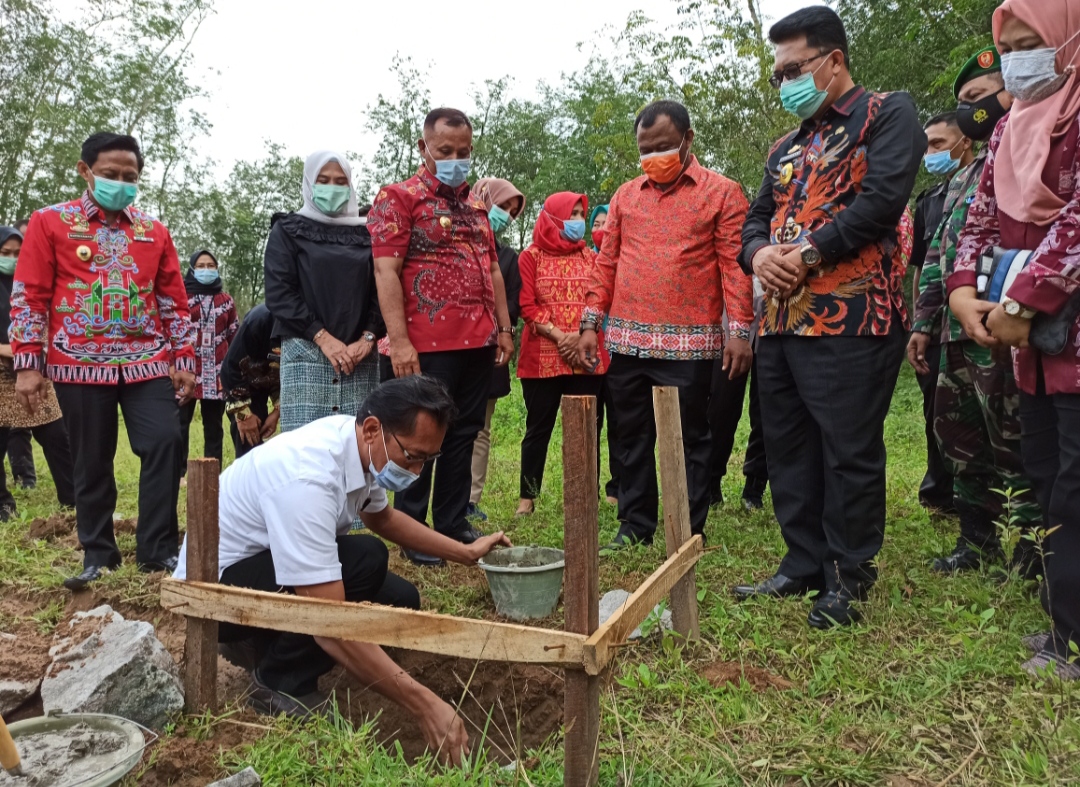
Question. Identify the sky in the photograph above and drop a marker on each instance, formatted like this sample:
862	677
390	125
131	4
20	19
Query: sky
301	72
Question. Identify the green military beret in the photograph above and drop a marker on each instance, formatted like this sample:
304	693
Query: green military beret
986	61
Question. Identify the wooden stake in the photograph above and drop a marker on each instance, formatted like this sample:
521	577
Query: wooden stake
200	647
676	498
581	590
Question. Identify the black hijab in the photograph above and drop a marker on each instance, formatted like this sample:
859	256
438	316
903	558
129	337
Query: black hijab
6	233
196	287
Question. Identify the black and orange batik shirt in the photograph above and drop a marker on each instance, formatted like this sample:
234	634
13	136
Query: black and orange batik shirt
842	183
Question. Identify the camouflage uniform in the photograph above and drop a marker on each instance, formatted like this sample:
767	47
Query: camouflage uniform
977	405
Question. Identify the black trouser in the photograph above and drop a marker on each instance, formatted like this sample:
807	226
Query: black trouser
823	406
259	410
213	431
153	428
936	489
725	412
54	444
292	663
632	380
1050	444
606	408
543	398
467	374
21	455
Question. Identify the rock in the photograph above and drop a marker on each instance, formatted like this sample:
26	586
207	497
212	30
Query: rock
14	693
106	664
246	778
611	601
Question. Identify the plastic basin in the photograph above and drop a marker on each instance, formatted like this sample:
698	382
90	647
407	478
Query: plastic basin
525	582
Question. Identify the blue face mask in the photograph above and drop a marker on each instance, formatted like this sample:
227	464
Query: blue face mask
801	96
393	477
941	163
114	195
499	218
451	171
573	229
206	275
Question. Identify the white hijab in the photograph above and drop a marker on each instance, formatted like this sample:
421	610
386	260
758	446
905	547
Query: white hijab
350	214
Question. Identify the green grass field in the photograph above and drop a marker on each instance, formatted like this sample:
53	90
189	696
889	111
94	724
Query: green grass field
926	691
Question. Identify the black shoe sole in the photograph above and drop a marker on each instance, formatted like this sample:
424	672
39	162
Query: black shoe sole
434	562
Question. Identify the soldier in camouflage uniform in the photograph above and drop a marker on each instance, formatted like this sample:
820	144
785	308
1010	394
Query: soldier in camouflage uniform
977	405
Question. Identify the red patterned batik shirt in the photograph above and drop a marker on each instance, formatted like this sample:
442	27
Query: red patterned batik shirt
103	300
668	268
448	248
842	184
214	320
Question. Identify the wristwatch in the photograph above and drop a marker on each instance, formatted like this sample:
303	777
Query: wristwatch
810	255
587	325
368	336
509	329
1017	309
244	414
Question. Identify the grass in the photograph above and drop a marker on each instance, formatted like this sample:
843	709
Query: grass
926	691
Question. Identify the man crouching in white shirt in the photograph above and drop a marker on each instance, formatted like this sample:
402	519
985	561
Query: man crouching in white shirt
285	513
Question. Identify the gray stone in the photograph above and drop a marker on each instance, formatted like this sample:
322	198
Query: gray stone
106	664
14	693
611	601
246	778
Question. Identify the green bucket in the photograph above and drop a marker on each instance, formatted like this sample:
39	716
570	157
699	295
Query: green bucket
525	582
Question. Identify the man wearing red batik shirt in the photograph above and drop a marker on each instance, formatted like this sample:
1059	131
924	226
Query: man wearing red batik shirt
98	293
443	300
665	273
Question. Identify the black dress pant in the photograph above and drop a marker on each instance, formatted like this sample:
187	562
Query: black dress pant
606	409
543	398
936	489
258	409
21	455
292	663
823	406
467	374
213	410
632	379
725	412
54	444
1050	443
153	427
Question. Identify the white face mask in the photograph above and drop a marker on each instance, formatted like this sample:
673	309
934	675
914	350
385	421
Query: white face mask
1032	76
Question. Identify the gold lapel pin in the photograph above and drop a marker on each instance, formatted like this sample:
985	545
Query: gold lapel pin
445	222
83	253
787	172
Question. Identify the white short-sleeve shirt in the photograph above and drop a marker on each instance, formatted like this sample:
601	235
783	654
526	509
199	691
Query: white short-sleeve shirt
294	496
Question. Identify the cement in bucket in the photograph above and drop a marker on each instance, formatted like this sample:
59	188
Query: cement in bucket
525	582
59	750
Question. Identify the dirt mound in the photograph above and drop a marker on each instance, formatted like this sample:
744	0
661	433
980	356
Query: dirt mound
126	525
722	673
182	761
52	528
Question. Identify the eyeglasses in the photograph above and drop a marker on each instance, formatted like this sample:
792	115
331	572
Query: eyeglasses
417	459
793	71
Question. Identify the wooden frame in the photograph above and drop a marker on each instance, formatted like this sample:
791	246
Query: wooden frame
585	649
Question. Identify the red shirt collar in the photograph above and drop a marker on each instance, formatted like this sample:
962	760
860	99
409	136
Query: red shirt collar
434	184
91	209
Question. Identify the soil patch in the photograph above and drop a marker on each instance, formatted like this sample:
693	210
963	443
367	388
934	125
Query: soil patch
524	703
723	673
51	528
126	525
183	761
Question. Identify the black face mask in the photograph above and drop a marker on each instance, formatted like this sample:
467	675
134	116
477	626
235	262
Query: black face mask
978	120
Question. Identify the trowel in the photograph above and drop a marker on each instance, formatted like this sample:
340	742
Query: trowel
9	755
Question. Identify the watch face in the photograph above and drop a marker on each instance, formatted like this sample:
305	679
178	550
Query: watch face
1012	308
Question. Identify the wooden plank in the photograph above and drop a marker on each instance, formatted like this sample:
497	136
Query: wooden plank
389	626
200	645
618	627
676	498
581	591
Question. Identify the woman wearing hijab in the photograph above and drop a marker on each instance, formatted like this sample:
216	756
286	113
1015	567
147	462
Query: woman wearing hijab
597	222
213	317
320	289
1029	200
504	204
555	273
46	424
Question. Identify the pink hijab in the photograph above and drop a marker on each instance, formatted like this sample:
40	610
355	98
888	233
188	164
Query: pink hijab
1025	145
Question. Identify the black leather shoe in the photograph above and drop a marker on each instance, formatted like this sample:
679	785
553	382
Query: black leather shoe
1026	561
467	535
834	608
716	498
964	558
620	542
88	575
242	653
776	586
753	494
269	702
168	565
420	559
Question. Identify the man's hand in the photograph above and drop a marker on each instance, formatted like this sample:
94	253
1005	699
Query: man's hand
1013	331
587	349
916	352
770	267
481	546
738	356
792	261
359	350
336	352
405	359
269	426
250	430
30	389
444	732
506	349
568	346
969	310
184	385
